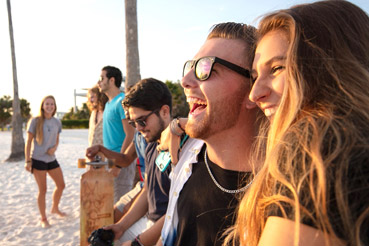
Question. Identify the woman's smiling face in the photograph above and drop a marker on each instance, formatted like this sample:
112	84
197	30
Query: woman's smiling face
269	72
49	107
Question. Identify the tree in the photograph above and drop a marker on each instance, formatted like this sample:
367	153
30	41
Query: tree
180	106
6	110
25	110
80	114
17	146
132	57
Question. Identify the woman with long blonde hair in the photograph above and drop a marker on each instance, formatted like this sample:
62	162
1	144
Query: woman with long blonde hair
43	136
96	101
311	80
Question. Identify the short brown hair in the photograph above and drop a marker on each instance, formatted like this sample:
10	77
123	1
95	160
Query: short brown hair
232	30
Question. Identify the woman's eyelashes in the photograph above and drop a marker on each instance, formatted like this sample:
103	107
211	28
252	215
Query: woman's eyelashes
277	69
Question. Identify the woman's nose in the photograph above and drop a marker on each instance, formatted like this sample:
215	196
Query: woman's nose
259	90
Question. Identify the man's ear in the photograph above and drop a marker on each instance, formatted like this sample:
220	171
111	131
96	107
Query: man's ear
112	80
249	104
165	111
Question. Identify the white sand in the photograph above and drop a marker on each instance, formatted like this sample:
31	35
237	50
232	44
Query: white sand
19	216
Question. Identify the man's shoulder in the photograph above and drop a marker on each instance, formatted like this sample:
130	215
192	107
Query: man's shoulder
121	94
119	97
151	148
151	153
114	107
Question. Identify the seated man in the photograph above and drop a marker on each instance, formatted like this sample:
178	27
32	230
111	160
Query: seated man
149	104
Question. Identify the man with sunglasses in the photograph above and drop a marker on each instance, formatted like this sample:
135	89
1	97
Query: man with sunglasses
117	134
208	180
149	105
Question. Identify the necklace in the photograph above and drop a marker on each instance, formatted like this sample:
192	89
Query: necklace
218	185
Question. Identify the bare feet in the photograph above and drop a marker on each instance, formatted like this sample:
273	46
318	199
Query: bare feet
58	212
44	223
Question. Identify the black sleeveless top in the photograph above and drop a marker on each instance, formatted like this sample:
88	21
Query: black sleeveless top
205	211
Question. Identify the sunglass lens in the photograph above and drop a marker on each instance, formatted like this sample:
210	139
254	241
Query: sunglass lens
187	67
132	123
141	123
203	68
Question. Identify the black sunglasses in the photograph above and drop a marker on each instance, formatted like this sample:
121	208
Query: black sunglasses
204	66
142	120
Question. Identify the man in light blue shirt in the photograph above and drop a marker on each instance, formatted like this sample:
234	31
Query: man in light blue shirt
117	133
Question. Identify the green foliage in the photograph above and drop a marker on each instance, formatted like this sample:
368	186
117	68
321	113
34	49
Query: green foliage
81	114
75	124
180	106
25	109
6	110
76	120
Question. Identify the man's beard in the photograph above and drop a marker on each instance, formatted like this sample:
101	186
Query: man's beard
157	135
222	115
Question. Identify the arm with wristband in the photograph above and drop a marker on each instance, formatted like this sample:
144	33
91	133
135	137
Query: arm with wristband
129	131
121	159
27	152
171	137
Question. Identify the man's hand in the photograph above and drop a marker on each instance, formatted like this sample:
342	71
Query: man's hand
127	243
117	229
92	151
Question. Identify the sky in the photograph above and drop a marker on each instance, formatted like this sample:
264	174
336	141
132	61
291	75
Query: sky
62	45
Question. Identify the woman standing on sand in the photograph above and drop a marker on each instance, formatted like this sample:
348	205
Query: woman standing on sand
43	131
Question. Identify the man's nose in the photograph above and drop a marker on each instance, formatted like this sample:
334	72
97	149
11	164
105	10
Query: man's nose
189	80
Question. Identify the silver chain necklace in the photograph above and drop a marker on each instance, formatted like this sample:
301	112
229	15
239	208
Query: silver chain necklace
221	187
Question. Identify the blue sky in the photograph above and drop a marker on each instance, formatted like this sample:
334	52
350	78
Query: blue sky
61	45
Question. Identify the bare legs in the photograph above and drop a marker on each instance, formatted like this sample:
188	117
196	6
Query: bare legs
40	176
57	175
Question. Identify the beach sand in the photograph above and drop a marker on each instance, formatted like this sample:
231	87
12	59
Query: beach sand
19	215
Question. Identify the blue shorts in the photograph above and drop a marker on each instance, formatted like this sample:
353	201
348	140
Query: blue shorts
40	165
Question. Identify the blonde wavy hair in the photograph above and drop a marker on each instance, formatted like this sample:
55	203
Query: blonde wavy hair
320	133
101	99
40	120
